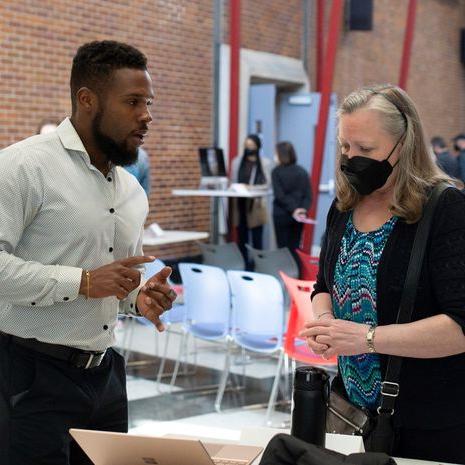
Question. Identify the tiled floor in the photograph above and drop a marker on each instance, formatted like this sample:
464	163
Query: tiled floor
188	409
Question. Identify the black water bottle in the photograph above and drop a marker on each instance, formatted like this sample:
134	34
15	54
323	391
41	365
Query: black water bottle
311	390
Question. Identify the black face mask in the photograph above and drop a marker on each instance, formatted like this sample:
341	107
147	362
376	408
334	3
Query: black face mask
366	175
250	152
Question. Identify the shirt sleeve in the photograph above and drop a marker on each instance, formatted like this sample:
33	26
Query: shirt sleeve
23	282
280	197
447	256
307	193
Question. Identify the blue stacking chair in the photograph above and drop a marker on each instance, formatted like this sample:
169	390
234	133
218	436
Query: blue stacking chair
176	315
257	320
207	303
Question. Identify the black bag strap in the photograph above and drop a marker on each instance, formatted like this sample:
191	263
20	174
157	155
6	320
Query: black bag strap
390	386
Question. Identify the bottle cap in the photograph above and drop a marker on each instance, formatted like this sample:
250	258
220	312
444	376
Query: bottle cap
310	378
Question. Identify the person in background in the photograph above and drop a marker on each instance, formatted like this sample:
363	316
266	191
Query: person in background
384	175
448	162
47	125
141	170
459	152
71	258
251	214
292	197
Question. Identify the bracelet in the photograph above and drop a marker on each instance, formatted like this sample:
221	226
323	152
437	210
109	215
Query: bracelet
324	313
370	339
87	273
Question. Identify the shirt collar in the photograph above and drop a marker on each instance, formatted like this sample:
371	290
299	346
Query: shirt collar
69	137
71	141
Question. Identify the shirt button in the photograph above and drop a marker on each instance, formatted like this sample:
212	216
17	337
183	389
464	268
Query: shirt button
105	327
109	179
131	305
112	210
33	303
65	299
110	249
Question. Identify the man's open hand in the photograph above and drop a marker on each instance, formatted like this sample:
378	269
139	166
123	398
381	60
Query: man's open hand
155	297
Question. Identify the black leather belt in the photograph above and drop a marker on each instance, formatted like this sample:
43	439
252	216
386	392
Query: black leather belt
85	359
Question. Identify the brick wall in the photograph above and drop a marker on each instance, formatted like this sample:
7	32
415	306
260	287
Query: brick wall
37	42
273	26
436	78
38	39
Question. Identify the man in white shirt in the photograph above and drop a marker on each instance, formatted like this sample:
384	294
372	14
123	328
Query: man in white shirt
71	259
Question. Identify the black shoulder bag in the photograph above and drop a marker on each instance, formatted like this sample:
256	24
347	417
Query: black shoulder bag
346	418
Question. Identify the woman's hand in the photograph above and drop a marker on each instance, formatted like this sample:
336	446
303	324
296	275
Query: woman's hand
319	349
298	212
330	337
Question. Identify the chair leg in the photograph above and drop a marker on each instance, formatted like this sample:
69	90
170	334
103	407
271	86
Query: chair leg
161	369
130	329
274	390
287	385
157	343
224	377
178	360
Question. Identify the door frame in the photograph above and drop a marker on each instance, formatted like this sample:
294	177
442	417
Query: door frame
254	65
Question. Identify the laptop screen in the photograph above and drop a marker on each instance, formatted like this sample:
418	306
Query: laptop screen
212	162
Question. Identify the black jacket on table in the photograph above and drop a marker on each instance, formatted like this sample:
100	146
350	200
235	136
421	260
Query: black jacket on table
291	189
432	391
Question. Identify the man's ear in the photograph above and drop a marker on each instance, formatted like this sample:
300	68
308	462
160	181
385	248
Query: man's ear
87	100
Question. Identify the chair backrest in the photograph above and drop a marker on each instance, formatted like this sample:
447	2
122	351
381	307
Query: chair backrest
154	267
273	261
257	307
300	312
207	296
309	268
226	256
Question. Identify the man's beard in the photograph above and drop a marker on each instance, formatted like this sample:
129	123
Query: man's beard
117	153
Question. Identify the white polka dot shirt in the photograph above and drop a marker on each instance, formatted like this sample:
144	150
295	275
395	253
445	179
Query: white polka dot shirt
58	216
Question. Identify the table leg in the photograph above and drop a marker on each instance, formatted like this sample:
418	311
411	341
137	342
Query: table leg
214	223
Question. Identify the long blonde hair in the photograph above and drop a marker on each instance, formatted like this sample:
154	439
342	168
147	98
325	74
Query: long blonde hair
417	171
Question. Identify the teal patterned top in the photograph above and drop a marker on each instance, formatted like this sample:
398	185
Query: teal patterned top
354	299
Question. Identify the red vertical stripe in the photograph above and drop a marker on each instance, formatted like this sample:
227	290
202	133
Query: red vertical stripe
408	39
320	137
235	19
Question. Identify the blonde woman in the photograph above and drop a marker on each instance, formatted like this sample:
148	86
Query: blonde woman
384	176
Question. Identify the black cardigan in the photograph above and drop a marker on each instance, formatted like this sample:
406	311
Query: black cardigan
432	391
291	189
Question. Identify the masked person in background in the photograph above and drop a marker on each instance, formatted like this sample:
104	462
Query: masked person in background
251	214
384	176
292	197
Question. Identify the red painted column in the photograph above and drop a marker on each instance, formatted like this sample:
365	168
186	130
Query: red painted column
408	39
320	20
320	137
235	46
234	69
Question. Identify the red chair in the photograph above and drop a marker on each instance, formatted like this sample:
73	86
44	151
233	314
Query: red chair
300	312
309	268
295	347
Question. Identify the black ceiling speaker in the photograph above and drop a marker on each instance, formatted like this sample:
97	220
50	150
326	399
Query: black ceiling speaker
360	15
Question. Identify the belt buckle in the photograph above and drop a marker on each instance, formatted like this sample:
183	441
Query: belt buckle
93	359
89	361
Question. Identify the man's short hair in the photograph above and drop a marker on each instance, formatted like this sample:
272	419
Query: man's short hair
459	137
95	62
438	141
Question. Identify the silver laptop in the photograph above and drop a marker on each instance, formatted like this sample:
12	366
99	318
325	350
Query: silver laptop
105	448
